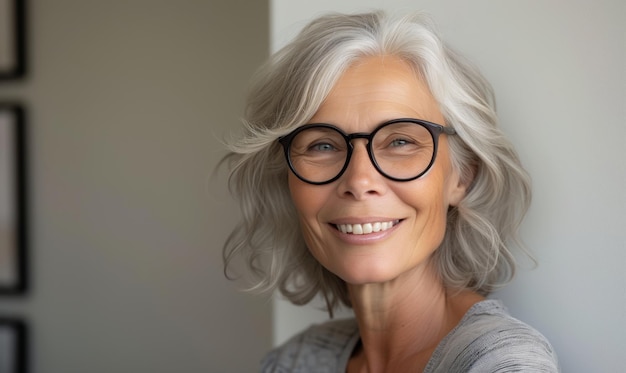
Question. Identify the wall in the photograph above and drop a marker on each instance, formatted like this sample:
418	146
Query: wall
558	71
126	103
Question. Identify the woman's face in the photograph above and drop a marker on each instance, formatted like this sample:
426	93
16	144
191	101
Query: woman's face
373	91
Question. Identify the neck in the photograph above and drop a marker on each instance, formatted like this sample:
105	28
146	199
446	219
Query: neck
401	322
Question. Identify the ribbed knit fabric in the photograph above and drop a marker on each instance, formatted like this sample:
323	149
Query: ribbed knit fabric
486	340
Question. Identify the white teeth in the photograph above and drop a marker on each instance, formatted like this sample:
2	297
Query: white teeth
366	228
357	229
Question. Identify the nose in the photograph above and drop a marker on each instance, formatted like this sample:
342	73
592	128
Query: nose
361	179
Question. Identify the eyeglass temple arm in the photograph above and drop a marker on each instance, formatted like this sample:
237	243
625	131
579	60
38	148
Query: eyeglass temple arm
448	130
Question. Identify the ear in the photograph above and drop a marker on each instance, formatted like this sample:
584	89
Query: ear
458	186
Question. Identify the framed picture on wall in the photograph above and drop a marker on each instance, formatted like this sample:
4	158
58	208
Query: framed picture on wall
12	39
13	358
13	237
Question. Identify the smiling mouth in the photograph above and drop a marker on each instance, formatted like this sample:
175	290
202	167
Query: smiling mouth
366	228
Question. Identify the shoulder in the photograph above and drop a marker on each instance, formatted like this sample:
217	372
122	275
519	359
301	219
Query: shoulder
322	346
489	339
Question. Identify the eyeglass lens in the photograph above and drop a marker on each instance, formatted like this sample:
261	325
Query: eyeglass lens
401	150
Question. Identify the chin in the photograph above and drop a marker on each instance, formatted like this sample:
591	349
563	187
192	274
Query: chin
368	273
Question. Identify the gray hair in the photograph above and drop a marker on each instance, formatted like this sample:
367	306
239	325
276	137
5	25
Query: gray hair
287	91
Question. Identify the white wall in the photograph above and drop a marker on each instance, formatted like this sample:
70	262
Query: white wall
126	101
558	69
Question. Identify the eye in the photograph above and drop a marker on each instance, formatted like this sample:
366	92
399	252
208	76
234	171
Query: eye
400	142
322	147
317	141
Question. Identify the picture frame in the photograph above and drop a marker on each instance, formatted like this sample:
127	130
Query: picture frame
13	345
13	209
12	39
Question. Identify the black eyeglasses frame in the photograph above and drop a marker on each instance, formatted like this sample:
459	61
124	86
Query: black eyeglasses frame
433	128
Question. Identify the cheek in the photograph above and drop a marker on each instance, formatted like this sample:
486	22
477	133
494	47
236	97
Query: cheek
430	202
299	192
307	199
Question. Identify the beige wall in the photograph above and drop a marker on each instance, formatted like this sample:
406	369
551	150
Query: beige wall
126	101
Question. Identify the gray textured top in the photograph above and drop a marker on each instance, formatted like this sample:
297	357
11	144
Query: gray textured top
487	339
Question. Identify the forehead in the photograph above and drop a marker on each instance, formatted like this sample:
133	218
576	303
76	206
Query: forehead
376	89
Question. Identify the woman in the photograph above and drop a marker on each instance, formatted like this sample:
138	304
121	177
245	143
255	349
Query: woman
371	171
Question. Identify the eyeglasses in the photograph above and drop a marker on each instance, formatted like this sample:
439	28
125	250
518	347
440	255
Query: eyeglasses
400	149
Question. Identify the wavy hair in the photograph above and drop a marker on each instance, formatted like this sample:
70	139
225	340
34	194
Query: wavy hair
287	91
